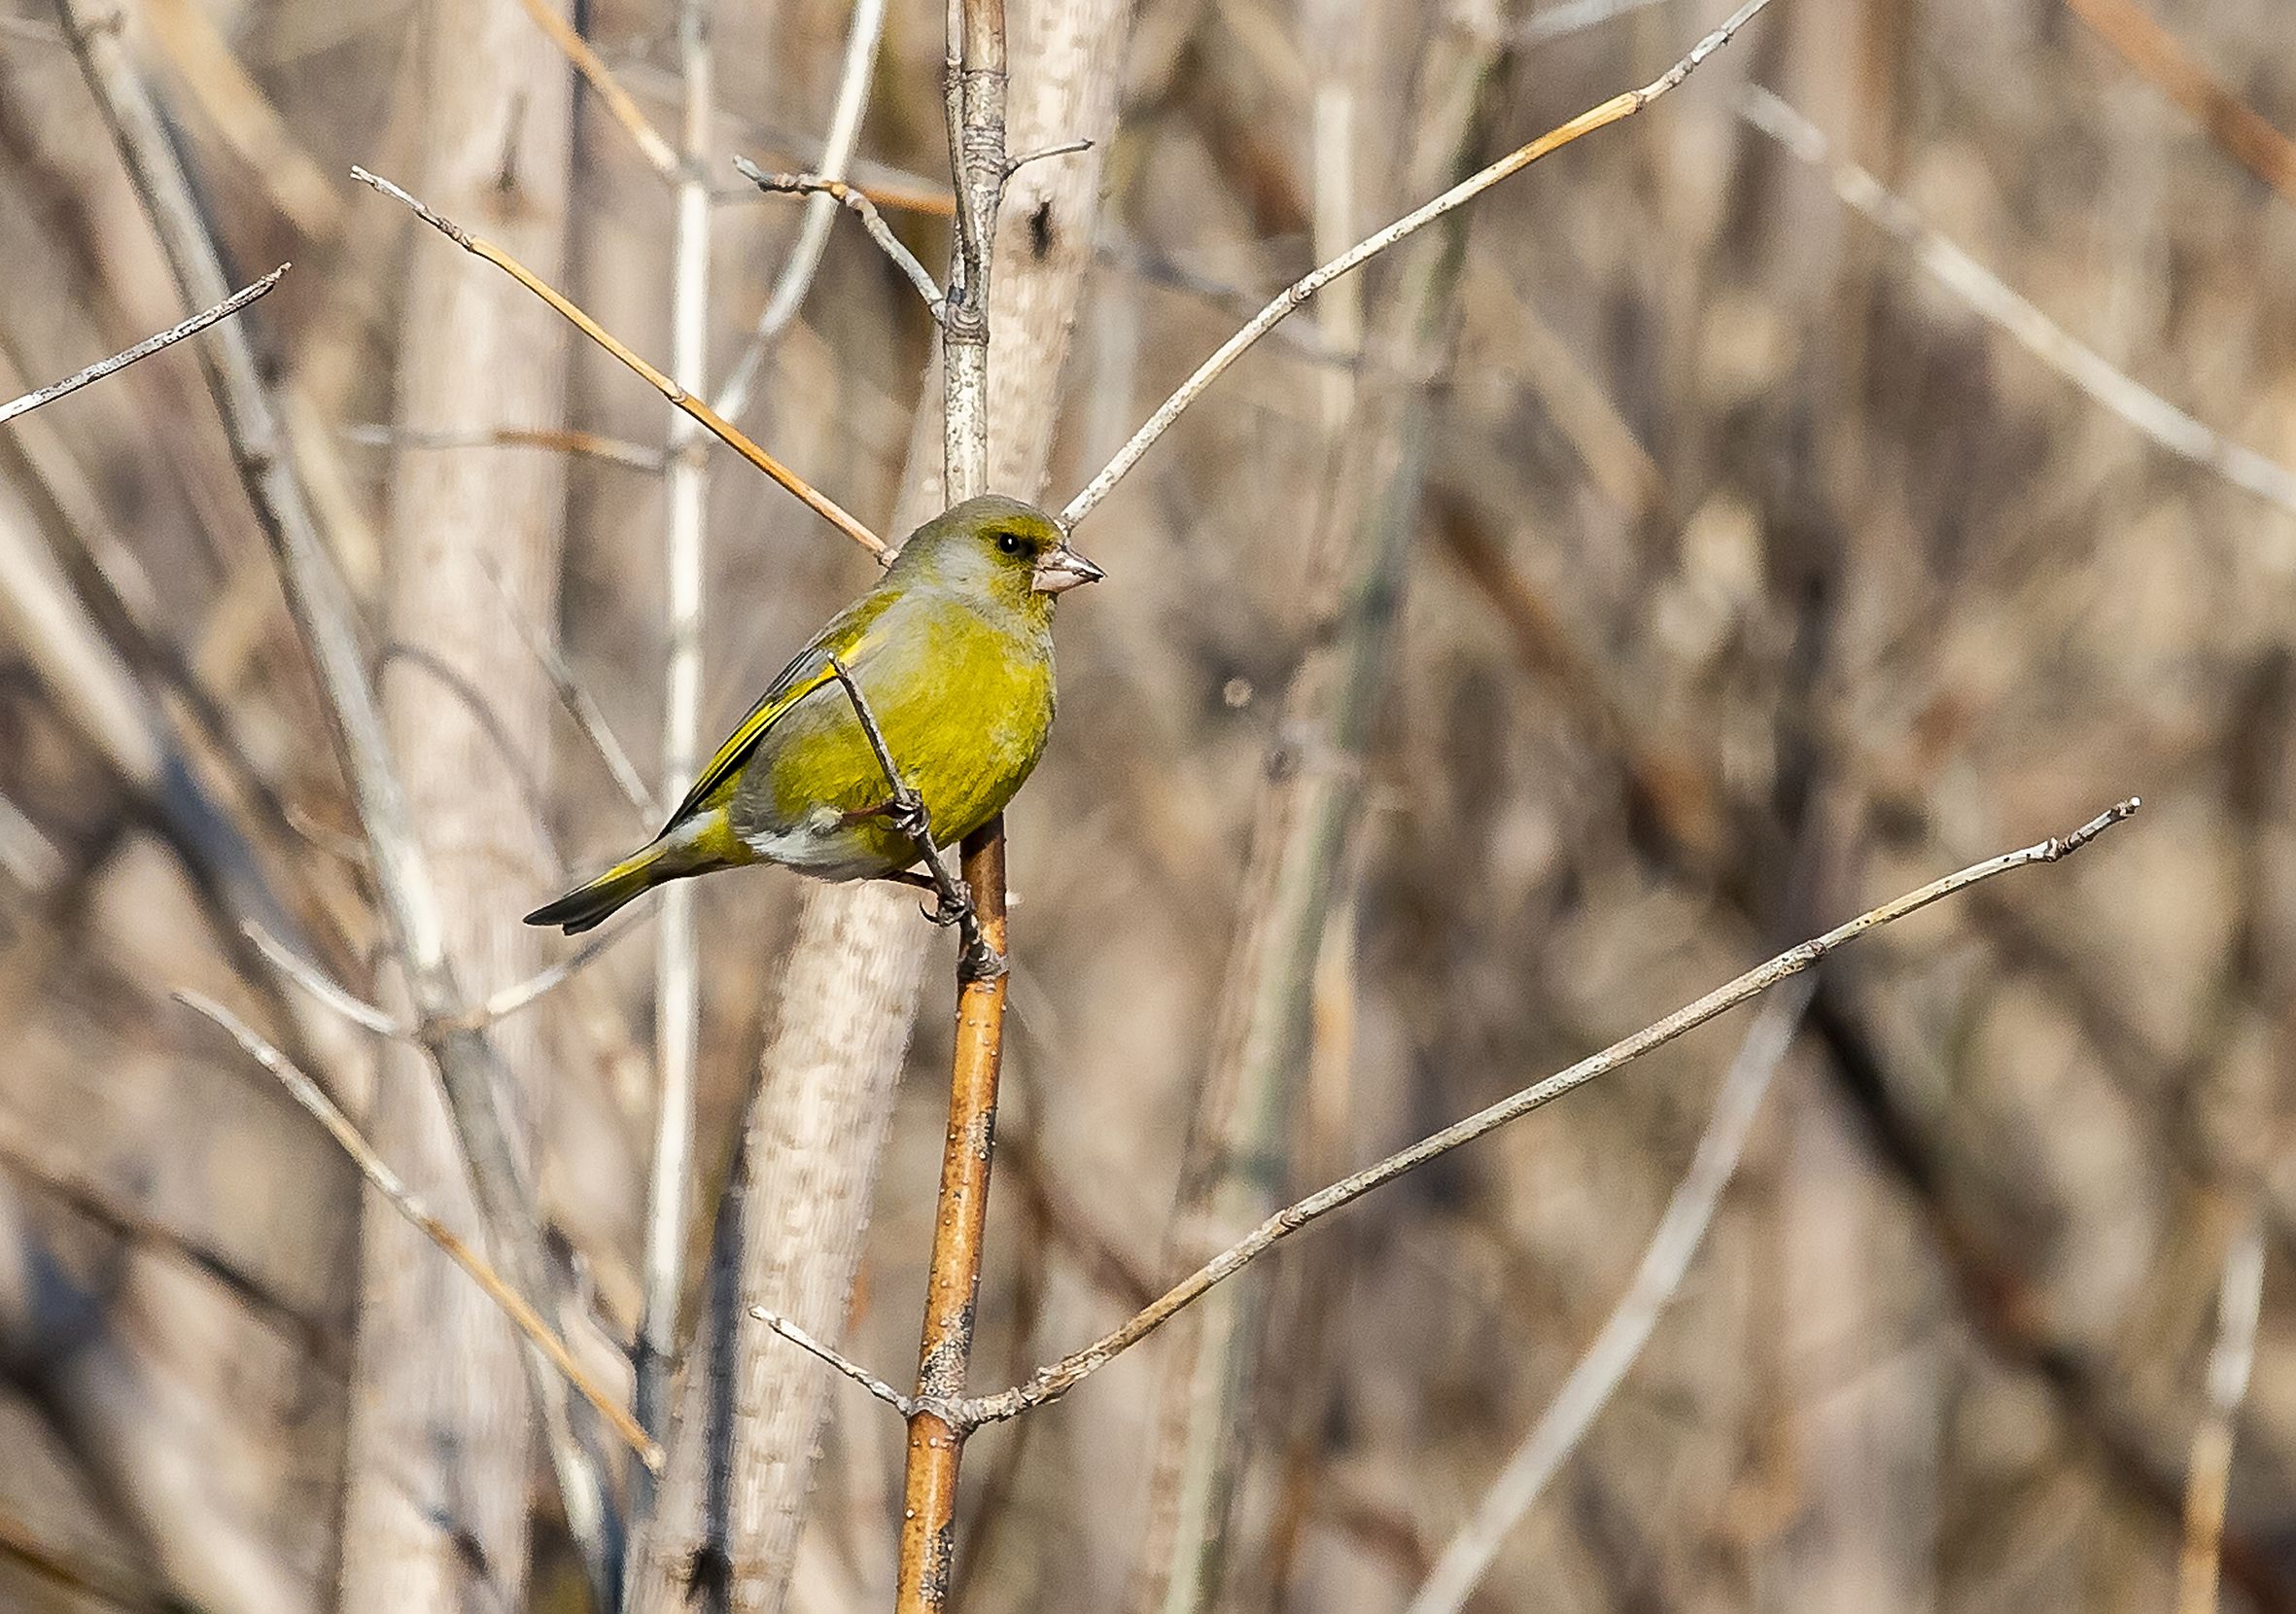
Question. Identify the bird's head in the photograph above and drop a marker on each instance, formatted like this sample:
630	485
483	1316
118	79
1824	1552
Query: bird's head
1000	547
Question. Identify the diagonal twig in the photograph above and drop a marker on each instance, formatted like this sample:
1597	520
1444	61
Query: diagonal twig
478	246
620	104
907	812
371	1166
2257	144
853	197
1295	296
1057	1378
905	1405
144	349
1985	292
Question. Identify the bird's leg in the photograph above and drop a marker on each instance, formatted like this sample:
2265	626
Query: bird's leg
906	812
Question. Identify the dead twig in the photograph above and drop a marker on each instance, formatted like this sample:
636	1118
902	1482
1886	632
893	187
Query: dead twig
717	426
144	349
2255	144
524	1318
853	197
554	439
621	105
1295	296
2208	1479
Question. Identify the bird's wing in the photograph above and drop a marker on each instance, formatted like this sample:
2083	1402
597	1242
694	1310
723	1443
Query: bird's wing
846	637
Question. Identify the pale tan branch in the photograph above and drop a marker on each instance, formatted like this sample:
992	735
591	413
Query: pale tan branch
619	103
1295	296
1991	299
813	230
582	707
718	427
1598	1373
1057	1378
2252	141
2208	1480
371	1166
144	349
554	439
872	220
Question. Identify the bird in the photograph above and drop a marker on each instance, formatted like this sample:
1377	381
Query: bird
952	653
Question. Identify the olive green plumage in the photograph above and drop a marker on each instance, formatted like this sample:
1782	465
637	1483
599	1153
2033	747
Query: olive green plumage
953	649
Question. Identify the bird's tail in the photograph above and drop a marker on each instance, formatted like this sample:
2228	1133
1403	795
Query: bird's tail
588	905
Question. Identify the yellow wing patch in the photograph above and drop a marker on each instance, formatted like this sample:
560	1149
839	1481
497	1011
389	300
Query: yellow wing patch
739	743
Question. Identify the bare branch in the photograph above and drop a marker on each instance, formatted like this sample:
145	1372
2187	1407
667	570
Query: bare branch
721	428
1293	297
2247	135
1991	299
871	219
619	103
2210	1477
1057	1378
1598	1373
905	1405
387	1183
554	440
813	230
582	707
1065	148
144	349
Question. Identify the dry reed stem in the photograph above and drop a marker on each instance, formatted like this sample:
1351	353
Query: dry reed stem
2208	1479
619	103
1995	302
1598	1373
307	1094
1295	296
2255	144
1057	1378
250	124
718	427
144	349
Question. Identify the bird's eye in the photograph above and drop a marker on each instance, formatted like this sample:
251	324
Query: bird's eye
1009	543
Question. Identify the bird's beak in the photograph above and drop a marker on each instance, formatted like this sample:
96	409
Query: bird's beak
1061	568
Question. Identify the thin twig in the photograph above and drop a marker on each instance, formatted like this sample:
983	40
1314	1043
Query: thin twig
387	1183
1598	1374
905	1405
907	812
2210	1477
2252	142
1057	1378
144	349
820	212
1293	297
1549	24
1064	147
872	220
498	1005
1991	299
580	705
721	428
619	103
554	440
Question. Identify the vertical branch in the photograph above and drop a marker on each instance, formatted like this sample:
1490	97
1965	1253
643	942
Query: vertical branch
2208	1478
677	998
1308	809
414	1543
975	89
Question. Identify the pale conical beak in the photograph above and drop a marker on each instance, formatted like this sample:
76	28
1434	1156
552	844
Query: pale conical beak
1061	568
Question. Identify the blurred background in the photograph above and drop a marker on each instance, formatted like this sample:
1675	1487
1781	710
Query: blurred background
1750	562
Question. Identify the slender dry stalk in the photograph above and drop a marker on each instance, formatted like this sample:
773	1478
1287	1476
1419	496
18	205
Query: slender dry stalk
813	1134
1295	296
144	349
820	211
1057	1378
724	430
1598	1373
589	444
2144	44
2208	1478
377	1171
326	622
677	1006
621	105
1303	829
250	124
976	85
873	221
1991	299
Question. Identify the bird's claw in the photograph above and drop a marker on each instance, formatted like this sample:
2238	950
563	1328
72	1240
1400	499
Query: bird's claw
952	908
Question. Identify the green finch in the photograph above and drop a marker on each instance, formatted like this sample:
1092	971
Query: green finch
953	652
